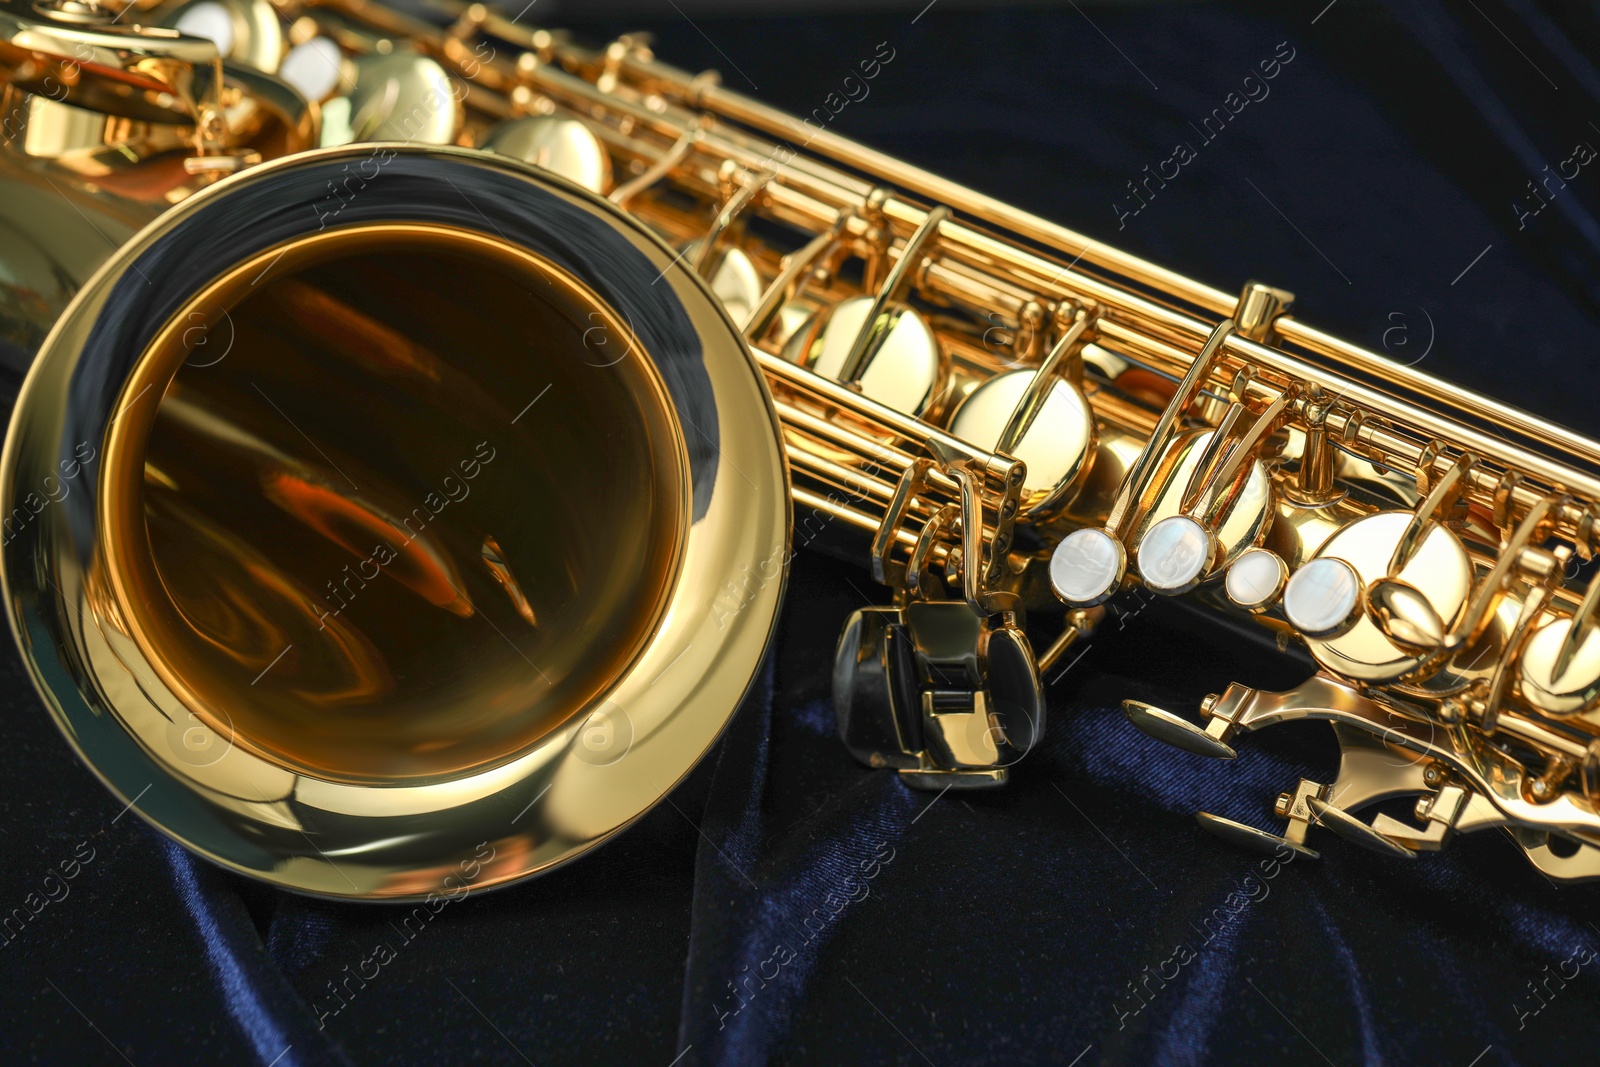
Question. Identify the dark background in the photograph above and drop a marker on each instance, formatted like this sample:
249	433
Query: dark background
1378	181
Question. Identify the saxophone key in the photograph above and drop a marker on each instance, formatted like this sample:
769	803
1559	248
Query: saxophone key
1324	599
1180	733
1560	666
1329	599
906	370
1042	417
1057	447
1562	688
1256	580
560	145
1175	554
1192	523
1406	616
1355	831
1249	837
1087	567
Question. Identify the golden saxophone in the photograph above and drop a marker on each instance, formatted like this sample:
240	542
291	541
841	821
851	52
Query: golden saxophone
423	412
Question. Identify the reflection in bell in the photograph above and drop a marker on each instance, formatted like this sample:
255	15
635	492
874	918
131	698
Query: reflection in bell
495	559
324	589
375	536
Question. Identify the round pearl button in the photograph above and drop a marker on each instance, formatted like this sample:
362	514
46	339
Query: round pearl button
1086	567
211	21
1174	554
1255	579
1323	597
313	68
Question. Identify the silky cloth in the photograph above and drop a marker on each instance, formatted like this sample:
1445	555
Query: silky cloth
787	905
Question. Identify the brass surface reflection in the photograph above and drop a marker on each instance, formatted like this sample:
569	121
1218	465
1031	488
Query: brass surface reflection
393	524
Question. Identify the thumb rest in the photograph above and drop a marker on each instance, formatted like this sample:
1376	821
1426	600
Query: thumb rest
1002	416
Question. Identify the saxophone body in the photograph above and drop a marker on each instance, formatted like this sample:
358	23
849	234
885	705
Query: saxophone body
1009	424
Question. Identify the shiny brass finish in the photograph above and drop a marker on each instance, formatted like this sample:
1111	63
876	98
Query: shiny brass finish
1009	414
1041	417
335	643
881	317
1352	829
897	359
1405	615
1165	726
565	146
936	693
1259	308
244	32
1560	672
1436	581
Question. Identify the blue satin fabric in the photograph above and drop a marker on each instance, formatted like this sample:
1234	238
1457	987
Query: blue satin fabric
789	906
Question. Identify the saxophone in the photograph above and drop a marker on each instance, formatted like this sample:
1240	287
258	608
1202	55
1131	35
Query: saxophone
292	276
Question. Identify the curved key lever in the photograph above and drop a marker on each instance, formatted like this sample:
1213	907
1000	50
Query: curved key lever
1405	615
1238	833
1181	733
1399	609
1354	830
1087	566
